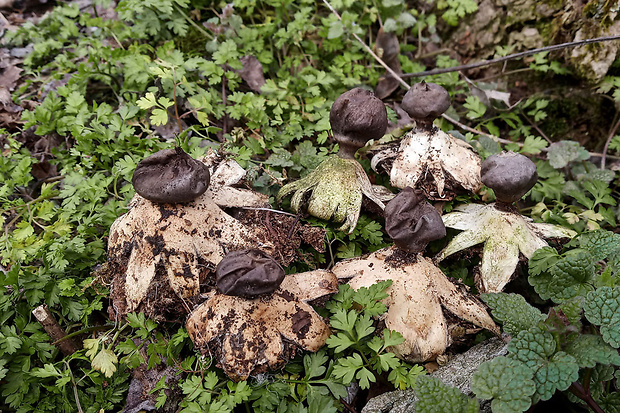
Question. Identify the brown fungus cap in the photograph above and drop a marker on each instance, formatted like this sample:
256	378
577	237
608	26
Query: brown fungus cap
510	175
248	273
425	102
412	222
356	117
170	176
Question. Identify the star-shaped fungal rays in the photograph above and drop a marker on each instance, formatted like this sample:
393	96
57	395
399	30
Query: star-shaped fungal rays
333	191
426	154
250	336
505	234
180	242
416	299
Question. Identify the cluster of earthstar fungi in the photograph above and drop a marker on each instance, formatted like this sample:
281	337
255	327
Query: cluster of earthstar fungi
251	317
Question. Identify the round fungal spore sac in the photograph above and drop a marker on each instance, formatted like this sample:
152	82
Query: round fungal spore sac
510	175
425	102
170	176
412	222
356	117
248	273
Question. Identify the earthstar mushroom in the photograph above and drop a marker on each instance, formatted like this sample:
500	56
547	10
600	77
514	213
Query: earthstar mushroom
250	336
248	273
425	102
503	230
428	158
510	175
335	188
158	246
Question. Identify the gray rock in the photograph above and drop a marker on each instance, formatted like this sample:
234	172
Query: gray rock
457	372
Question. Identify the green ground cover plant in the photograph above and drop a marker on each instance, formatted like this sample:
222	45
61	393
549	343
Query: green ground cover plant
107	85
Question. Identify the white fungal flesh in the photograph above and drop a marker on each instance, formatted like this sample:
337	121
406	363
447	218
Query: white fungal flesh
415	300
432	153
504	234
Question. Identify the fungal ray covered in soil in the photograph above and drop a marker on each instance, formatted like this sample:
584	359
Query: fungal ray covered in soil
250	336
416	300
161	254
505	234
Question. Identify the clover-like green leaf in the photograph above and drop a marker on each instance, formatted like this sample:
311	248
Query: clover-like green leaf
600	243
562	153
508	382
572	275
435	396
553	370
532	347
589	349
513	311
602	308
557	374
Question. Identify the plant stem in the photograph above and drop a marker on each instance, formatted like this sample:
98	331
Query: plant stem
609	138
82	331
176	106
369	50
193	23
578	390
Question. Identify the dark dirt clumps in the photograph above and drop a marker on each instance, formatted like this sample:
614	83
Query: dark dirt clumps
400	258
285	232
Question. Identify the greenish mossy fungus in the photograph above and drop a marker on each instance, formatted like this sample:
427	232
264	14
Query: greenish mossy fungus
510	175
412	222
248	273
334	190
425	102
170	176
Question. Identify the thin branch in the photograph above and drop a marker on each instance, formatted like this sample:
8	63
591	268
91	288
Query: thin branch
369	50
510	57
535	126
609	138
54	330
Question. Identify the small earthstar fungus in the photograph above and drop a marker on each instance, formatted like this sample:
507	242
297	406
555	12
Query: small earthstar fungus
334	190
428	158
170	176
503	230
412	222
161	255
250	336
417	299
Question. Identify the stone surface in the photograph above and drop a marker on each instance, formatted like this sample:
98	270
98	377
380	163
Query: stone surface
457	372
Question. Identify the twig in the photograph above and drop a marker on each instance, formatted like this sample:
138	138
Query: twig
609	138
176	106
75	389
535	126
510	57
54	330
270	210
369	50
